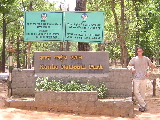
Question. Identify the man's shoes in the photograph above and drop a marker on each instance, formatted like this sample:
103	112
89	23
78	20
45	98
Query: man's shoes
142	109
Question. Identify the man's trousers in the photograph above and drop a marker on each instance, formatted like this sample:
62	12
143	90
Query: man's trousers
139	88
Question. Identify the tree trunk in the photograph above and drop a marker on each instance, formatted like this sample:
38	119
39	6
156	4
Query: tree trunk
28	56
67	43
61	43
67	46
61	46
136	5
122	34
120	31
18	52
81	6
29	45
100	45
4	42
83	46
24	64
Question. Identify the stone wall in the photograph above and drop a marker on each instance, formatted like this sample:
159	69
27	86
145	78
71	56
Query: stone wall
23	82
75	102
118	81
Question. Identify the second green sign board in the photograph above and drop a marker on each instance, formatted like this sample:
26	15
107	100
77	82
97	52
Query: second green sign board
81	26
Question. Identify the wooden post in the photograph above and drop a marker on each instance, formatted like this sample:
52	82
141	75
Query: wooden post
29	45
29	52
67	46
10	49
154	87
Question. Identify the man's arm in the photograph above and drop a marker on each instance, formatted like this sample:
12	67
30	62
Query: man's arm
130	67
152	67
150	70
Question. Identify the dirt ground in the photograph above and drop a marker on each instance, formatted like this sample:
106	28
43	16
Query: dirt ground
153	112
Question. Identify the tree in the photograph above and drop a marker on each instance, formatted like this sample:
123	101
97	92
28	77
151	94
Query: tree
127	24
5	6
120	31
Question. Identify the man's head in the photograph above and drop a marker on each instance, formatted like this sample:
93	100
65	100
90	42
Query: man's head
139	51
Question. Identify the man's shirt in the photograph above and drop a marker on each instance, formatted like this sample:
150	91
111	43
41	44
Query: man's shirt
140	65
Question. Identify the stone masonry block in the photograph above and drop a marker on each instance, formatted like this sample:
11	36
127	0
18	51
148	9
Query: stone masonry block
104	111
21	84
110	85
62	103
73	104
30	103
70	96
63	96
28	92
42	103
123	92
15	92
30	84
62	108
80	110
23	92
105	107
122	111
90	110
54	104
42	108
17	104
51	95
93	96
122	86
38	95
81	96
111	107
107	103
123	108
82	103
85	95
115	78
87	104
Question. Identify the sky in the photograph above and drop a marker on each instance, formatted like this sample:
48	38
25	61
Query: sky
64	3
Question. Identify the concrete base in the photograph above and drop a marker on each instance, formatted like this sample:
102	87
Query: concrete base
75	102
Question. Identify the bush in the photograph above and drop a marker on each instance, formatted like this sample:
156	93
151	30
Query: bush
43	84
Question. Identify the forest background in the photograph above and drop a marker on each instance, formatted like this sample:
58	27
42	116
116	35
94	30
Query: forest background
128	24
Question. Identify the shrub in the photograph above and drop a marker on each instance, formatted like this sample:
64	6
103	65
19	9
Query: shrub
43	84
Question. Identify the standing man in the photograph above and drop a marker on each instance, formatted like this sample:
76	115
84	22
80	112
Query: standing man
141	67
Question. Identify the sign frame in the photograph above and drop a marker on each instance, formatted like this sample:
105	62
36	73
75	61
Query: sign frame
60	26
42	27
88	24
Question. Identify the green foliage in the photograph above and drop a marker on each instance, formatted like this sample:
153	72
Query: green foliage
73	86
142	21
102	90
5	5
43	84
88	87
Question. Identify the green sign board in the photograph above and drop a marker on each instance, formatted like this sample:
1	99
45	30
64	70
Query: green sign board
43	26
79	26
84	26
